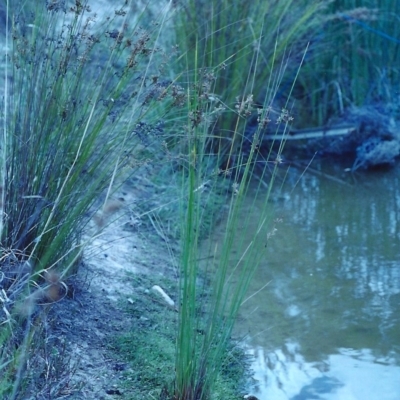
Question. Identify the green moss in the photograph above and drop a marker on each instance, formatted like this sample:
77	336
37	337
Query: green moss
149	347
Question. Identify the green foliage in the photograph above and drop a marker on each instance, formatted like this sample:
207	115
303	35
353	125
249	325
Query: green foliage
80	104
68	128
353	60
243	39
77	94
205	327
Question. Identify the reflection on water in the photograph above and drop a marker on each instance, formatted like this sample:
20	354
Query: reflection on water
348	375
328	324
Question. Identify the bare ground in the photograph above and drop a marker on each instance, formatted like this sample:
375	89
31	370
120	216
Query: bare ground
94	313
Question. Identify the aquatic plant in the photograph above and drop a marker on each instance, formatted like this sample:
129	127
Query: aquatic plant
353	61
212	290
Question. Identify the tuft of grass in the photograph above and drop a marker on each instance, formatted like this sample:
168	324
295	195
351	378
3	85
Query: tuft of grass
68	127
79	96
205	327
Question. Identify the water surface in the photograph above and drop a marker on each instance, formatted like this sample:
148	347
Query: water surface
327	326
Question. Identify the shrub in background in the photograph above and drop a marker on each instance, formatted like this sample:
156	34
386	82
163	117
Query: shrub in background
353	61
231	36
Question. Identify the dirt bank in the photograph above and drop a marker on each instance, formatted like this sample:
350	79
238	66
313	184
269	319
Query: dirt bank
82	327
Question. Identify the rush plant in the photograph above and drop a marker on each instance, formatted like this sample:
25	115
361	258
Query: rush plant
78	89
212	285
353	61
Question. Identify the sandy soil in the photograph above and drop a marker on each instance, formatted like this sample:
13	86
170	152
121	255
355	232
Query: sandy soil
95	311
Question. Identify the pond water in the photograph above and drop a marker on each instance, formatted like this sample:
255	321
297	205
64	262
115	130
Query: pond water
327	326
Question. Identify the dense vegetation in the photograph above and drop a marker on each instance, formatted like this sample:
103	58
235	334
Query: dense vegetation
87	101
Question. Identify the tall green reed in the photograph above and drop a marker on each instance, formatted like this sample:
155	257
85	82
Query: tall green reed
211	293
77	92
229	35
353	61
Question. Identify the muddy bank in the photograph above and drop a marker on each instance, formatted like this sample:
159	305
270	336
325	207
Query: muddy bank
80	328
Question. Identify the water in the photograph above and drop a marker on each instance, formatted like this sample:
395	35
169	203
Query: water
327	326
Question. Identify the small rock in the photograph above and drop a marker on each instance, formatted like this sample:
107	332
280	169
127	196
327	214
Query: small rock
114	391
167	299
120	366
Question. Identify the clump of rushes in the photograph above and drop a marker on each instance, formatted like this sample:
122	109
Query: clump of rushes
231	35
353	61
212	290
77	92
